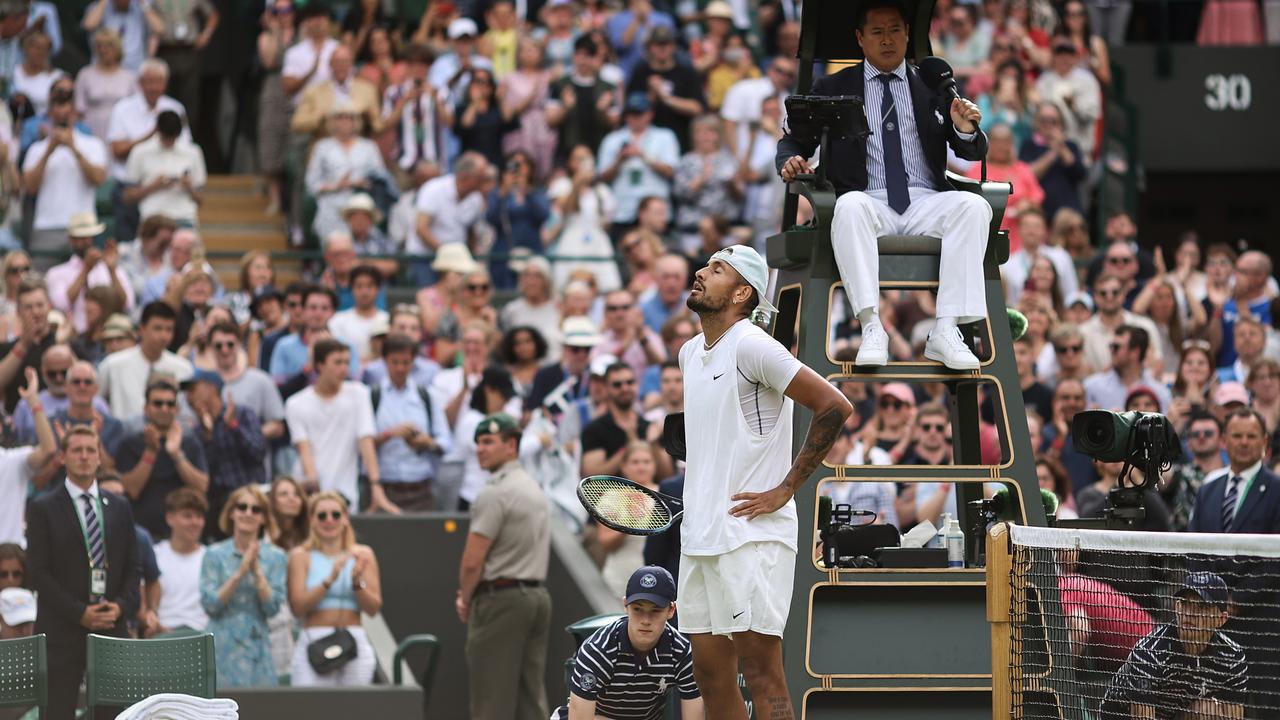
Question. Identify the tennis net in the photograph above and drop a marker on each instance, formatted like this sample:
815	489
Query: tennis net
1104	624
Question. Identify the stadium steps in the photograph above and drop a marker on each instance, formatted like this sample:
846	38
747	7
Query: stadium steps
234	220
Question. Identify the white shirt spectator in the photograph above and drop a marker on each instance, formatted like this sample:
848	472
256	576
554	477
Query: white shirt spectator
150	160
451	218
349	325
333	427
1086	103
742	103
1097	339
636	180
1107	391
132	118
1018	268
122	378
60	278
301	58
180	588
35	87
15	478
64	190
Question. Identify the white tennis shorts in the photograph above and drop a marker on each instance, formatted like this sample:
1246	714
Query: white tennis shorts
748	588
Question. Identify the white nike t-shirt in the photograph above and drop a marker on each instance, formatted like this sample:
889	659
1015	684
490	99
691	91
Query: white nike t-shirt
738	437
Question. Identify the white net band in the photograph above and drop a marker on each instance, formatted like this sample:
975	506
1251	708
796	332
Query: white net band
1262	546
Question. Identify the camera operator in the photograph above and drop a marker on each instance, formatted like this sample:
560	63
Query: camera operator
1094	500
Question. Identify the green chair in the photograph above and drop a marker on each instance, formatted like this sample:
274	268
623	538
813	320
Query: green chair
413	642
123	672
24	673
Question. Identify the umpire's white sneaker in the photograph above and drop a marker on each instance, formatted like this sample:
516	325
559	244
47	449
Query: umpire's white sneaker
948	347
875	346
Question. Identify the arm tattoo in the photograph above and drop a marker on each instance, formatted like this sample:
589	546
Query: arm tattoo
780	708
823	432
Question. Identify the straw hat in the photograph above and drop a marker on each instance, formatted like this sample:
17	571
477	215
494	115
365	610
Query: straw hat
84	224
361	202
454	257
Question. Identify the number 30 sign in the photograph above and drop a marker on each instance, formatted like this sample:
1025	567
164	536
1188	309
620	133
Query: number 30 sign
1228	92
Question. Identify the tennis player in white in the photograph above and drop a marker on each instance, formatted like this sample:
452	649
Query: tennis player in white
739	535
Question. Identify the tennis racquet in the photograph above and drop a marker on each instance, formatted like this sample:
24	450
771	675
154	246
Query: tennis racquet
628	507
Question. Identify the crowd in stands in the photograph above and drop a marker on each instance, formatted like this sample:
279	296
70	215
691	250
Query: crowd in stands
594	156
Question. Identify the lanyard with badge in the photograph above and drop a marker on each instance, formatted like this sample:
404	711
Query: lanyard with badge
97	576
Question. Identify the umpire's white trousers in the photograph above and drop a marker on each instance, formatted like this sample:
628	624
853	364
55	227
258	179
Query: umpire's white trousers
961	219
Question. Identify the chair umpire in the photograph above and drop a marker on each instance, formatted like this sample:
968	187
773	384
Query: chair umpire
501	592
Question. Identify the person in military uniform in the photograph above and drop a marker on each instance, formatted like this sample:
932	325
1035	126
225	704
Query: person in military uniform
501	596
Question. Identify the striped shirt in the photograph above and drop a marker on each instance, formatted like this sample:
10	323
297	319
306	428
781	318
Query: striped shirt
918	173
1161	674
624	684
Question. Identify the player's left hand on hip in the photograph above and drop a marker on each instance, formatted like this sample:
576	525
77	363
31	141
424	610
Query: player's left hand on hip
754	505
965	115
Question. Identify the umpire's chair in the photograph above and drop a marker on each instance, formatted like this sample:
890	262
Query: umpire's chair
806	293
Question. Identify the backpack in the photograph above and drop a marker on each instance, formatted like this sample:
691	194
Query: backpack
375	395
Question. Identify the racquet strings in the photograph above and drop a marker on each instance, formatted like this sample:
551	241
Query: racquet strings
625	505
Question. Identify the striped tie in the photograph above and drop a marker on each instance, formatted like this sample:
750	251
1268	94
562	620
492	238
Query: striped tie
1229	502
93	530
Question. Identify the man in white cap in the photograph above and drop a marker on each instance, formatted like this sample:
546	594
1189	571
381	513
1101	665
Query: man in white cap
739	538
87	267
451	72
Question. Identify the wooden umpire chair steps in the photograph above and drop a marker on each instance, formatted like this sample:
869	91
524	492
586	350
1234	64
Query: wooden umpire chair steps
894	643
234	219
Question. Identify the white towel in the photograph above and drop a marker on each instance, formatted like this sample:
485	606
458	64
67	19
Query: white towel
175	706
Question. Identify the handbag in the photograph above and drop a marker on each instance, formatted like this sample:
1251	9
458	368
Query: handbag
332	651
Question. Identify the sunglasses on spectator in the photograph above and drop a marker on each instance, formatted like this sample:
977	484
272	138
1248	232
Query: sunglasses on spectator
932	427
82	381
617	308
1119	259
891	404
577	349
165	403
329	515
1117	347
1109	293
228	345
18	269
477	287
56	373
1070	349
249	508
619	384
1202	434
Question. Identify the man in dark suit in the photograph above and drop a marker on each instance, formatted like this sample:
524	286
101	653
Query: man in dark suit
1244	497
82	560
894	182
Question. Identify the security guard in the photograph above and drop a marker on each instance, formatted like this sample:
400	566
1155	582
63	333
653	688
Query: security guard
501	596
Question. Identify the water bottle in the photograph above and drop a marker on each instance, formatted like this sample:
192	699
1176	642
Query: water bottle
955	544
939	539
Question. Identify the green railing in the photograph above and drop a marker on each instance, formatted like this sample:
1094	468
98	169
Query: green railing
1120	165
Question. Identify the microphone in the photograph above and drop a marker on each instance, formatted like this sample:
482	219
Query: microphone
938	77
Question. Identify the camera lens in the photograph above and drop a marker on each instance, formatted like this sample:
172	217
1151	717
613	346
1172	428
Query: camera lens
1098	434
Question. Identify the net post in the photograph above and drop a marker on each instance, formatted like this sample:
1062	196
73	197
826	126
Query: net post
999	607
